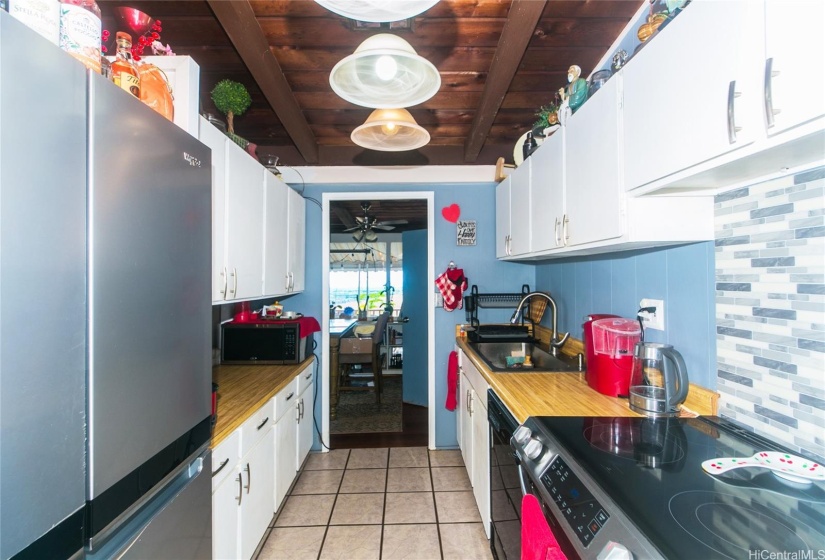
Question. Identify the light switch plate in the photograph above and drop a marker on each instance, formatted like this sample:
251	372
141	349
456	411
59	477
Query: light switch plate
439	299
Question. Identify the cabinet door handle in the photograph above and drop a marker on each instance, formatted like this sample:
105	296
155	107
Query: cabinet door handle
248	478
566	229
732	128
770	112
289	396
291	281
225	283
234	281
221	467
557	232
298	413
262	424
240	488
286	281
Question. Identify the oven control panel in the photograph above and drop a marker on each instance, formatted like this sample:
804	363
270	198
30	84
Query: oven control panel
581	510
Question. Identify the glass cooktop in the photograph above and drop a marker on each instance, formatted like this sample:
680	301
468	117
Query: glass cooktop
652	470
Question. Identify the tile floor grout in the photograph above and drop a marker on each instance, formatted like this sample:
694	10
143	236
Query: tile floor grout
350	465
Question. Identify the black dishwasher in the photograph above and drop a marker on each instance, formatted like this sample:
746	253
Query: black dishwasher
505	489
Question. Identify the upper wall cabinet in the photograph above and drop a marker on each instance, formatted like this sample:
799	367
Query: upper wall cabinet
726	93
683	92
513	213
257	226
578	204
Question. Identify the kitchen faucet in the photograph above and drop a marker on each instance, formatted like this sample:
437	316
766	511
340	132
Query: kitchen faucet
555	342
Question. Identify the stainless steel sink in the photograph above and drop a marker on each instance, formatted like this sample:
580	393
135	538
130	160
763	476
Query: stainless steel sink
495	355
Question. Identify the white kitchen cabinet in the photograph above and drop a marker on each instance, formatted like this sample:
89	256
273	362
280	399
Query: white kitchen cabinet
257	506
795	47
227	494
547	210
677	92
216	141
481	459
743	102
237	219
305	415
296	253
286	440
243	482
465	401
592	182
226	501
503	217
513	213
276	232
520	210
475	435
244	223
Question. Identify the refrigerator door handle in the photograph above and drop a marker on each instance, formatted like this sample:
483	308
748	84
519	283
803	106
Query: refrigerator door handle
120	542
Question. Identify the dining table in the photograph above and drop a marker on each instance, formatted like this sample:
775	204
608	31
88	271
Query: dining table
337	329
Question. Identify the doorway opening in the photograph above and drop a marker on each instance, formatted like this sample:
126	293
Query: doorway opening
370	274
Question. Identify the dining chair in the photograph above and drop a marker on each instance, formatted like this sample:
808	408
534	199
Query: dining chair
365	356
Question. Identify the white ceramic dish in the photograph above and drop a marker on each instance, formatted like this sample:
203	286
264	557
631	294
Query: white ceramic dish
789	467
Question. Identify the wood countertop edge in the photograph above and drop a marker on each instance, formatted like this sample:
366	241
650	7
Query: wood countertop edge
280	378
516	393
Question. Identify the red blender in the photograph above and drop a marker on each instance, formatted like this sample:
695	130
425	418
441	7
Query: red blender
609	341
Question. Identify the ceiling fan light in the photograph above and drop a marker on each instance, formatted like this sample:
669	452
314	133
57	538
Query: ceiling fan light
371	236
378	10
385	72
390	130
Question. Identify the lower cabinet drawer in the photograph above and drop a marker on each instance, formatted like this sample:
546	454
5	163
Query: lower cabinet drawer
286	398
256	426
224	457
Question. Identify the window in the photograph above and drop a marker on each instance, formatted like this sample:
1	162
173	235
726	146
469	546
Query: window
361	275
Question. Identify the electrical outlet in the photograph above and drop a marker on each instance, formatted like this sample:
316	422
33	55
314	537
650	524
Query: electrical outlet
655	320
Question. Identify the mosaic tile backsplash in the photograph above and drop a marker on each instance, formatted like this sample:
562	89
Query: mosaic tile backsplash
770	309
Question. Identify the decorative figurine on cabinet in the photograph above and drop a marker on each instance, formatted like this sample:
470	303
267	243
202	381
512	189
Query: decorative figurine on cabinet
576	91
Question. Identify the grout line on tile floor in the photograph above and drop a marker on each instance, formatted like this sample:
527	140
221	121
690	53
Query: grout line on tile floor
435	505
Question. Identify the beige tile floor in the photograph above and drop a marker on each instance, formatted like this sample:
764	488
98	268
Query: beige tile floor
383	504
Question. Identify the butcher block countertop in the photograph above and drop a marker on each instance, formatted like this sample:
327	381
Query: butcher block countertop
244	389
559	394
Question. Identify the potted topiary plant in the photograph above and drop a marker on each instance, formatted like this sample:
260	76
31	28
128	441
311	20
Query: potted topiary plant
231	98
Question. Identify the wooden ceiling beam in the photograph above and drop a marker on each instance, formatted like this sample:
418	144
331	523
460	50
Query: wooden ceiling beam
522	19
238	20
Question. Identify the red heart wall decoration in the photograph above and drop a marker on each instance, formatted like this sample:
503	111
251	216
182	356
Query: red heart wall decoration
451	212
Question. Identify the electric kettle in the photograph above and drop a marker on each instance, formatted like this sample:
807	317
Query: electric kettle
658	380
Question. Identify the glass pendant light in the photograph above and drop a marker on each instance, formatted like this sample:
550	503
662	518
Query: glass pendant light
385	72
390	130
378	11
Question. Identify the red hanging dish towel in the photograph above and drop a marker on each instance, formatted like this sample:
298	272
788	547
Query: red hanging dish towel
452	381
537	540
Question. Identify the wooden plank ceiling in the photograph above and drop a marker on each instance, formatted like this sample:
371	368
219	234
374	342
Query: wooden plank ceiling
283	51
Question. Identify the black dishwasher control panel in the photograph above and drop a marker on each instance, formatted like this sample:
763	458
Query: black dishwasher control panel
578	506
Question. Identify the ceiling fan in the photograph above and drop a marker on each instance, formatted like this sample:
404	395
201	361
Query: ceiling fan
365	227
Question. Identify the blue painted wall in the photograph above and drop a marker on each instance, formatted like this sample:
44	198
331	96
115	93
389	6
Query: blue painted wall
681	276
477	202
416	290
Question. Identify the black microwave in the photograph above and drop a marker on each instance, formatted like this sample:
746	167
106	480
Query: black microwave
263	343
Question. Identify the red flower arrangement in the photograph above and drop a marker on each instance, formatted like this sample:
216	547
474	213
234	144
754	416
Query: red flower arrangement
143	41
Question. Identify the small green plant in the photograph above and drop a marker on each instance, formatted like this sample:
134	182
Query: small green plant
231	98
547	115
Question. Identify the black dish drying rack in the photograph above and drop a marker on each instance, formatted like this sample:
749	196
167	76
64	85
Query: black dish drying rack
483	333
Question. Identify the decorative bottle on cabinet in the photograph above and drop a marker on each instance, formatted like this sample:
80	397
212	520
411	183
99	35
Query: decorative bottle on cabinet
124	72
80	31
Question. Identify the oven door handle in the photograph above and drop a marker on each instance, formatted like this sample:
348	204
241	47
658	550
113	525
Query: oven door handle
521	479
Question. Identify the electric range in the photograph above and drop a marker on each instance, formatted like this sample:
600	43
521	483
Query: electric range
637	484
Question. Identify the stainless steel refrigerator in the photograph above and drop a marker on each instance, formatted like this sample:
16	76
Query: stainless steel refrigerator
149	332
105	314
